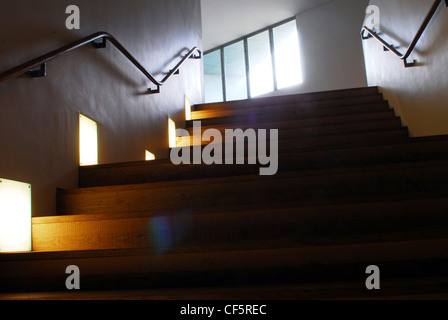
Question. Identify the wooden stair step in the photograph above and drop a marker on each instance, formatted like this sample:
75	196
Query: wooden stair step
286	129
428	288
291	99
293	108
206	228
421	149
288	141
345	183
310	122
232	118
139	269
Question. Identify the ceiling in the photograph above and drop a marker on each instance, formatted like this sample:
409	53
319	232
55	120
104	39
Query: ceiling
227	20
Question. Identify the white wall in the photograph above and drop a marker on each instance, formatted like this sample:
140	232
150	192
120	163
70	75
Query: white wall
39	117
331	47
418	94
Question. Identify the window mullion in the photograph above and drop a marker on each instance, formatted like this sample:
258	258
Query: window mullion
274	71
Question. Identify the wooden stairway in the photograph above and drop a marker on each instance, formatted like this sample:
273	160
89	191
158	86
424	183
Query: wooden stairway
352	190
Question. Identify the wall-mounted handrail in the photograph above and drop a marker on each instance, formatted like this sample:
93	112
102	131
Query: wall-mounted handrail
391	48
42	60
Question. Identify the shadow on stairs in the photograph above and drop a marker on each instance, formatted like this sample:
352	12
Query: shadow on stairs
352	190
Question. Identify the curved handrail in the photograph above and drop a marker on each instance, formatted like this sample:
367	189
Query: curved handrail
391	48
42	60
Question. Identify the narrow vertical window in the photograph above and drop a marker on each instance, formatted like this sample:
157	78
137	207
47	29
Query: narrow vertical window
288	61
235	72
213	77
172	133
88	141
260	64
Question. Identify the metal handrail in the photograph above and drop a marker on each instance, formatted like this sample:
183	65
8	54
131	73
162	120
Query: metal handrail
391	48
27	68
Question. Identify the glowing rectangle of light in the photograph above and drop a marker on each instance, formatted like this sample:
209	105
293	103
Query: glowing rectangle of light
149	156
15	216
172	133
187	109
88	141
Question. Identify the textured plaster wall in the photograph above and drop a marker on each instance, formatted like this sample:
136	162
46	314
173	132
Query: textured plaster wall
39	117
418	94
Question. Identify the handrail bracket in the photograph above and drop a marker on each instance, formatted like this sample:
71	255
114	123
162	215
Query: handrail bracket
199	55
154	91
42	72
102	44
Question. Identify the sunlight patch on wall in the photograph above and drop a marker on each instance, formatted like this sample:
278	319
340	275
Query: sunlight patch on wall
187	109
172	133
149	156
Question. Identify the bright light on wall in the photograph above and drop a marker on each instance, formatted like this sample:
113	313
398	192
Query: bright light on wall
88	141
172	133
149	156
187	108
15	216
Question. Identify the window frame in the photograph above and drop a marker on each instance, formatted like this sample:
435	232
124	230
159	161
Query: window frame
244	39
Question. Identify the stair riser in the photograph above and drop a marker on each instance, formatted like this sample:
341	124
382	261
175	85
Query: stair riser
378	125
282	100
288	161
232	268
288	141
287	122
360	102
292	115
259	230
234	191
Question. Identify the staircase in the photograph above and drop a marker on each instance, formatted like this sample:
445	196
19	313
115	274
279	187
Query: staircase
352	190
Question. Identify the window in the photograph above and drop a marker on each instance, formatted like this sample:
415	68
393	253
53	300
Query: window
259	63
287	55
213	77
235	72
